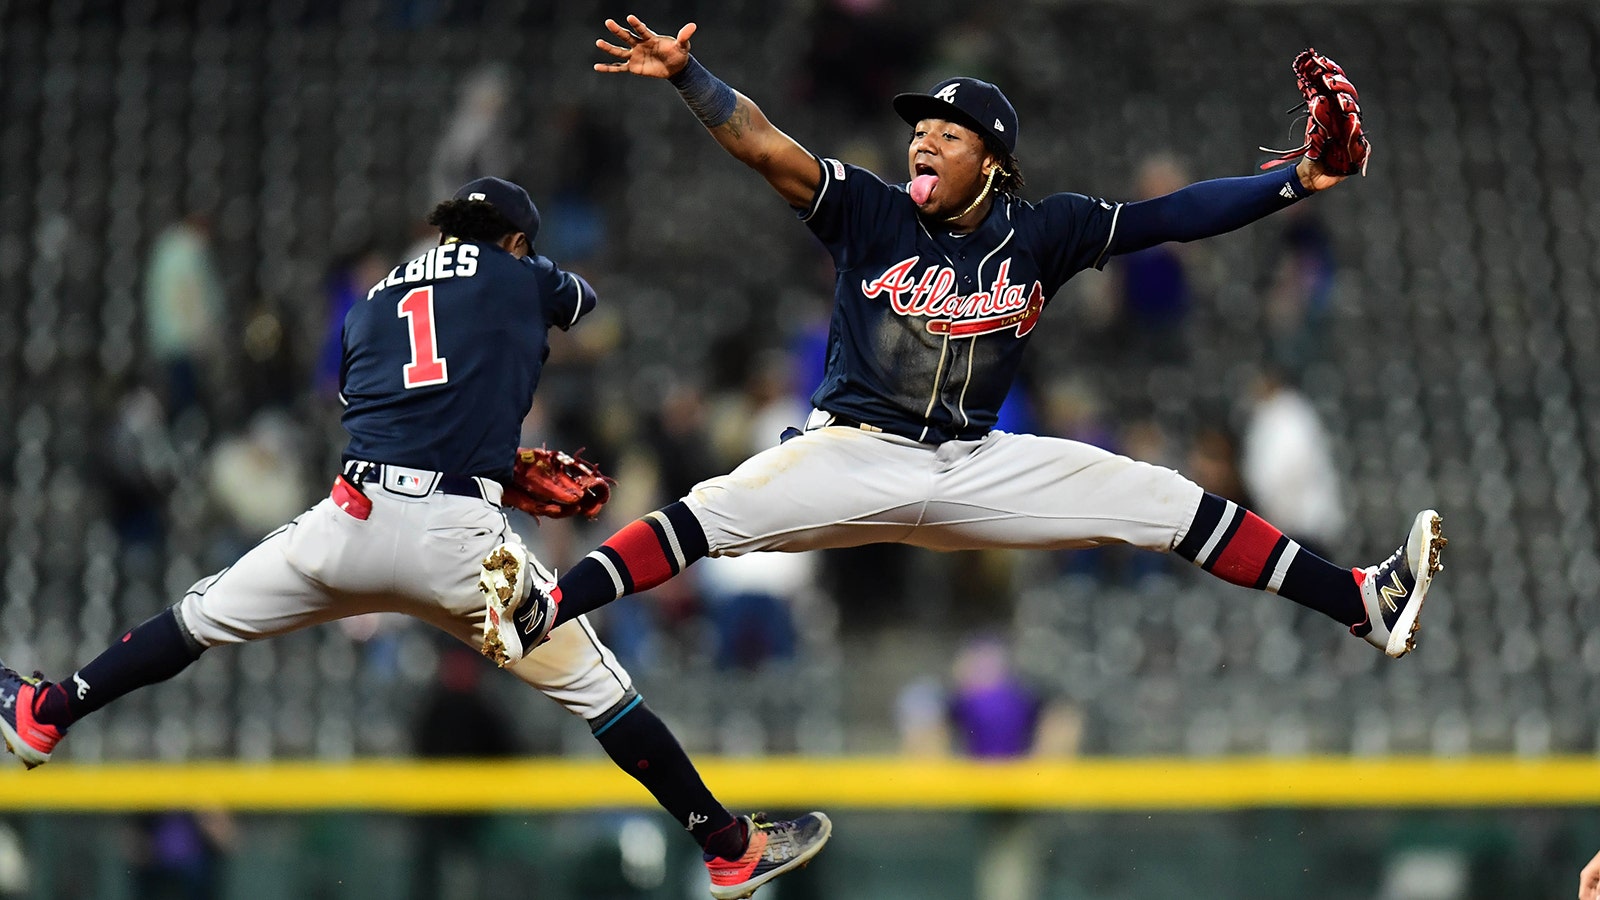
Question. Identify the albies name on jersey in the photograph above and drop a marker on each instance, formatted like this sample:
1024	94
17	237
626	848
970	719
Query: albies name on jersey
1004	305
450	260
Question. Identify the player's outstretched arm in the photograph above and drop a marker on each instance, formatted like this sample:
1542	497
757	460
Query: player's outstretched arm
731	117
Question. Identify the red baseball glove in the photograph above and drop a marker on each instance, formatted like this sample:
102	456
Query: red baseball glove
1334	135
555	484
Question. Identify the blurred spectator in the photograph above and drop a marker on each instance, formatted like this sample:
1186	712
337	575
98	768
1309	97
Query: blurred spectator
139	466
586	164
185	312
1213	464
772	401
992	712
1154	294
985	712
259	477
1287	465
180	855
750	601
1300	301
457	721
679	435
348	280
14	874
476	140
1072	410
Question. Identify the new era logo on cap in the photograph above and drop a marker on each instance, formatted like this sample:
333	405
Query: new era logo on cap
976	104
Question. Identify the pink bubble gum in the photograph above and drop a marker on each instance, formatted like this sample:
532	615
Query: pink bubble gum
922	187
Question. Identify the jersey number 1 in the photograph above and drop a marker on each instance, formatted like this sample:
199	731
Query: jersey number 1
426	366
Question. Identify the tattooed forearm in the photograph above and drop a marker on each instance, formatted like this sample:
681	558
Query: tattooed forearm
739	122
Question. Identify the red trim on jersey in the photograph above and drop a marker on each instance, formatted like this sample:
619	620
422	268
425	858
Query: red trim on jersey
1243	558
642	554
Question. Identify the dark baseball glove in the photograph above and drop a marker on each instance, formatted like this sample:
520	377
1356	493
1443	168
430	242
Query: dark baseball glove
555	484
1334	135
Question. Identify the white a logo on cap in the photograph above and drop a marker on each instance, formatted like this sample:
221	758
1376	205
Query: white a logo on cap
998	126
477	196
947	93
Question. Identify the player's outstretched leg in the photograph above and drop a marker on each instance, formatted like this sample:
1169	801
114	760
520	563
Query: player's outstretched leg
775	848
646	553
520	603
29	739
1392	591
35	714
741	852
1377	602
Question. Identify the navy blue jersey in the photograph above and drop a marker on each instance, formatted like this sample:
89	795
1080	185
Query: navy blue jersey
929	326
442	357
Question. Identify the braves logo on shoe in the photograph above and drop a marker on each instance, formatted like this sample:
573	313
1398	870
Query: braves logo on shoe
29	739
774	848
1393	590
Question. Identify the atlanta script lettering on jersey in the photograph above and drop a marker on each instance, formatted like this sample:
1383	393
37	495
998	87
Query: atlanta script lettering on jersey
1004	305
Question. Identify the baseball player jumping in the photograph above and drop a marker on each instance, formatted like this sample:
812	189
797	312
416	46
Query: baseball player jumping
940	282
440	365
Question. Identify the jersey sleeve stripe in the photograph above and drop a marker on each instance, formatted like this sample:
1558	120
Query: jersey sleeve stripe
577	305
822	189
1100	261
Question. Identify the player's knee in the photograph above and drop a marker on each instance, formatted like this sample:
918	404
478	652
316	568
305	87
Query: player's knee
203	630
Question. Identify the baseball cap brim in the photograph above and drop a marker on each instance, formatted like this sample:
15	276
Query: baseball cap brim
913	108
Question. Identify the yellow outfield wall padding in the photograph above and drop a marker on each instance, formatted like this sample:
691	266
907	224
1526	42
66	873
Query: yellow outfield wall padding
557	785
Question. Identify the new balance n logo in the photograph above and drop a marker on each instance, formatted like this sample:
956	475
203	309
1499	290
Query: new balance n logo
1388	596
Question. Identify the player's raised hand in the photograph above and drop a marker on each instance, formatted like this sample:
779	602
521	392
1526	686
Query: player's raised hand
643	52
1315	176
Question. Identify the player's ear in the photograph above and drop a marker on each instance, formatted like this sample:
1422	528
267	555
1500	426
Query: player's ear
516	244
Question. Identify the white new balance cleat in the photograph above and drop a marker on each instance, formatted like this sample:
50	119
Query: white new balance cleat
1393	590
519	596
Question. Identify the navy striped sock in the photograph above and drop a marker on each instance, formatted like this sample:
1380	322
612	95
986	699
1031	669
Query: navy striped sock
637	558
1239	547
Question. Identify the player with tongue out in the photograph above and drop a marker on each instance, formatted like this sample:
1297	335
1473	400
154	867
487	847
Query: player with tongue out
940	282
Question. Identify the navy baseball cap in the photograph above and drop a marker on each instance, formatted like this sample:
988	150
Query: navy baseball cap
976	104
509	199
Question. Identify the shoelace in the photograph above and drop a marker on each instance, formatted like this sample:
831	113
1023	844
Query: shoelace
782	837
1394	558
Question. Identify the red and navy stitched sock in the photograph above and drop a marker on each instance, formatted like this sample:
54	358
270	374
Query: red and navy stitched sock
642	745
1241	548
637	558
154	651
